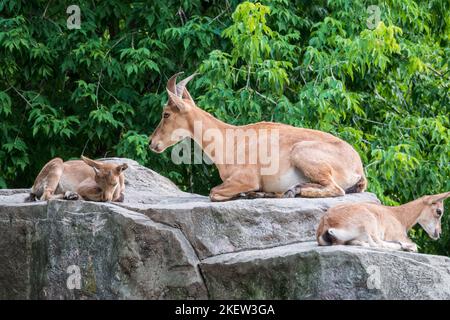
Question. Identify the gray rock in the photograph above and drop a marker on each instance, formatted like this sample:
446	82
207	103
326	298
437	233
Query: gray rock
306	271
119	254
143	185
222	227
162	243
13	195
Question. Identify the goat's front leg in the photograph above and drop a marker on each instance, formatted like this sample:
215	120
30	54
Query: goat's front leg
358	243
379	242
119	195
68	195
407	245
233	187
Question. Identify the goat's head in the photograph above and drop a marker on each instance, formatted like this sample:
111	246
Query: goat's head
175	123
107	176
433	210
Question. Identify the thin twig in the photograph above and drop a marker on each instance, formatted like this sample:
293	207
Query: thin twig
248	77
301	75
109	93
46	7
85	145
57	25
182	15
264	96
98	85
385	125
332	75
23	116
217	17
435	71
379	96
115	44
101	71
22	96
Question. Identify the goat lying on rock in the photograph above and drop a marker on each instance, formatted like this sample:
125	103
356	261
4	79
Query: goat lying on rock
374	225
86	179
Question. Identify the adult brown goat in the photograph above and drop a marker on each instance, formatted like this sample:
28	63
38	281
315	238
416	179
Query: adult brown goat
303	162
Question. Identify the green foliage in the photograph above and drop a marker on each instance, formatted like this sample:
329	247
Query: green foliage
315	64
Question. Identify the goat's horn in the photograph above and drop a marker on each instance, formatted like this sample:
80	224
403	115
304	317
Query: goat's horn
182	84
171	84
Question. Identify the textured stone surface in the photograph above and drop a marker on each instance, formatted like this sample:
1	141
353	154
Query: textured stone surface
162	243
306	271
222	227
120	253
145	186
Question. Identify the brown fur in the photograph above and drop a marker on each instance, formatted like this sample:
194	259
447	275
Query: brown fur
374	225
87	179
311	163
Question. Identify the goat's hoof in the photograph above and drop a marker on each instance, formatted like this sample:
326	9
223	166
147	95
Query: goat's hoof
409	247
218	198
121	198
289	194
69	195
31	198
246	195
293	192
252	195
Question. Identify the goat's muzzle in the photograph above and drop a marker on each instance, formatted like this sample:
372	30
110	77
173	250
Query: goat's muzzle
155	146
436	235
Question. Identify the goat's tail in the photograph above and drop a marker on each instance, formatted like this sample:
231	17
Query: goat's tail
332	236
360	186
326	239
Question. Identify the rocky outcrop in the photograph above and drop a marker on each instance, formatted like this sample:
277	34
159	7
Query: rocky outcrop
162	243
306	271
223	227
119	253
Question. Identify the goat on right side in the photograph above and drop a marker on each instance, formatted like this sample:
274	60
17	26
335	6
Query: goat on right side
379	226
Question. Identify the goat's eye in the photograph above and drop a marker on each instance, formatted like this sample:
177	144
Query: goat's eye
166	115
439	212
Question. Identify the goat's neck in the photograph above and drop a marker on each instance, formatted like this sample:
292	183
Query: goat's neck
200	122
409	213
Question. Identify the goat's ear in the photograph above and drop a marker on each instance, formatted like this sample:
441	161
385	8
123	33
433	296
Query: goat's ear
181	105
121	168
96	171
90	162
437	197
441	197
187	95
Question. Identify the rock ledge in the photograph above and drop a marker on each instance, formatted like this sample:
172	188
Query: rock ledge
162	243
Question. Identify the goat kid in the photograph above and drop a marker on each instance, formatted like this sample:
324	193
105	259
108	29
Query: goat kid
378	226
86	179
309	163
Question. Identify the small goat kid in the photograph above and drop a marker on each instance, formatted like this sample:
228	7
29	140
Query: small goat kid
87	179
310	163
378	226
